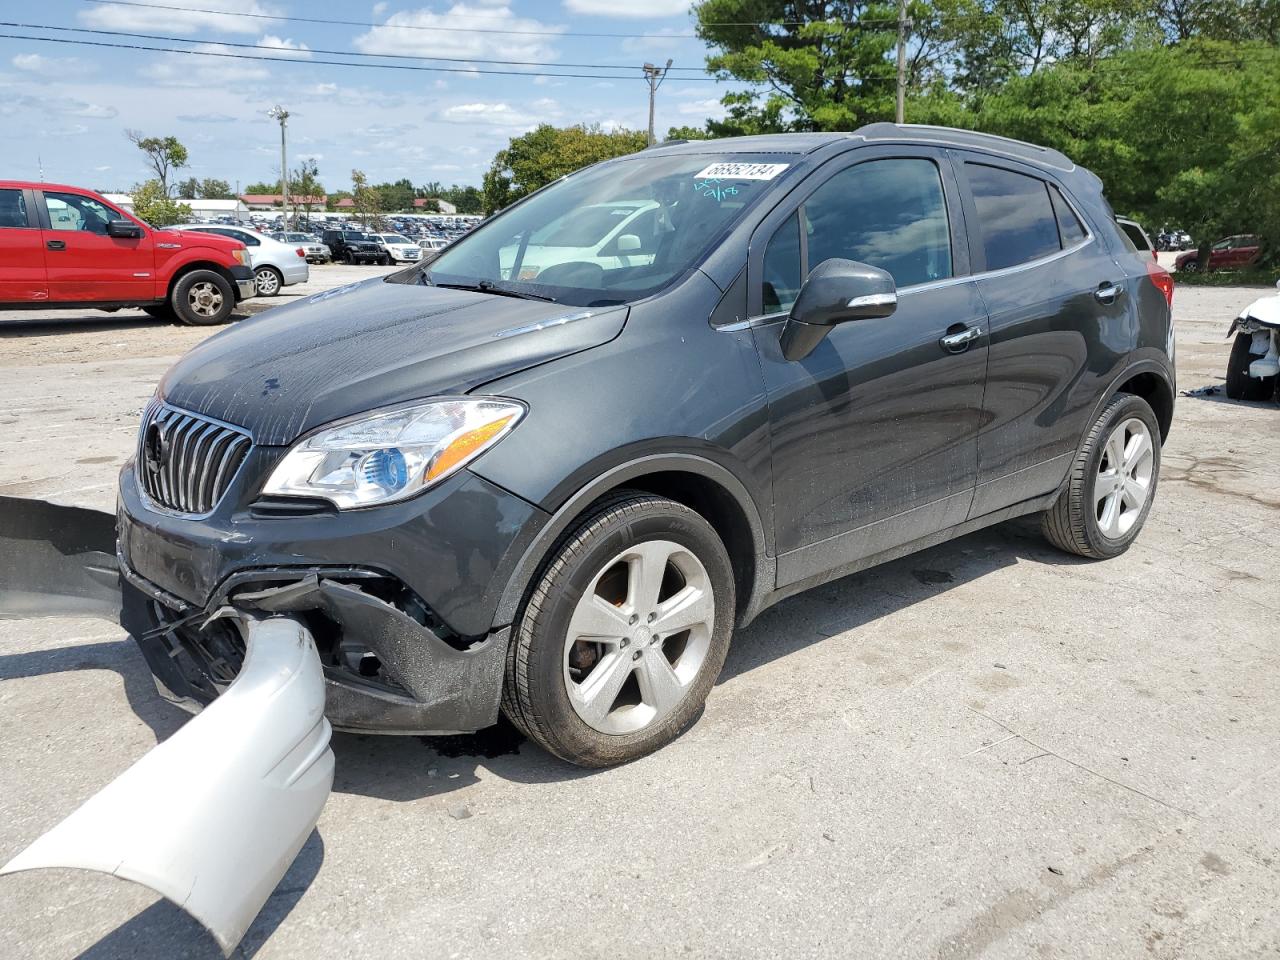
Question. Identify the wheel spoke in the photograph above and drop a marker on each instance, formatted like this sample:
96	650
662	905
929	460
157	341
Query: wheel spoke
1138	448
688	608
595	696
644	576
1115	451
659	685
597	617
1106	484
1110	519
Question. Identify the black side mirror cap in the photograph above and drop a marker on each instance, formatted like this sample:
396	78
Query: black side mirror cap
123	229
836	291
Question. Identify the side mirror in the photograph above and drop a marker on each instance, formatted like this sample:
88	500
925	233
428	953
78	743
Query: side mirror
836	291
123	229
628	243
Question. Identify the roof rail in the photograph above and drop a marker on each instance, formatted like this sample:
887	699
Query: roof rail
958	137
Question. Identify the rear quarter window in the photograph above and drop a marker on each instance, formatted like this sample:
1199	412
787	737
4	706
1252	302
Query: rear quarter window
1016	220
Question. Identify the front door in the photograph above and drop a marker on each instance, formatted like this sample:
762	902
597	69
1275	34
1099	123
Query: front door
874	433
84	264
22	276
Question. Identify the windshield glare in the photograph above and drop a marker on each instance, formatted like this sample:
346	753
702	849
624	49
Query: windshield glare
613	233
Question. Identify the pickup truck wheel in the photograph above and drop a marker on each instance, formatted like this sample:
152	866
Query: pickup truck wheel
624	634
268	281
1241	386
202	298
1112	483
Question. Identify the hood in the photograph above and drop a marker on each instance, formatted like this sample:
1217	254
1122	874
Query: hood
197	238
1266	310
372	344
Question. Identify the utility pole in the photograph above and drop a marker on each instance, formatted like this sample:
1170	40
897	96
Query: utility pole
280	113
654	76
902	61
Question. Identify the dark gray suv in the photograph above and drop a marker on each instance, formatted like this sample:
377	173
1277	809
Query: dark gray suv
551	470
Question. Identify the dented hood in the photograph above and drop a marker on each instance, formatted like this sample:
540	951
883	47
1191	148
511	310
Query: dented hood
369	345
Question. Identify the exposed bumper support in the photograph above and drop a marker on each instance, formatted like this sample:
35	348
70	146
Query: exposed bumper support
212	817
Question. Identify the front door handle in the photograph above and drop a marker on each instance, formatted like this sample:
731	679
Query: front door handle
56	244
1107	292
959	342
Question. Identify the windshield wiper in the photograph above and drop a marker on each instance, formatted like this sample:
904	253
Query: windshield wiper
488	286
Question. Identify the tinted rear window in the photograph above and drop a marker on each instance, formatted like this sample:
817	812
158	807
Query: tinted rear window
1069	224
1015	216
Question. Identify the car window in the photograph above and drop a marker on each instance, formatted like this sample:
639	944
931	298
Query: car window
782	276
70	211
887	213
13	209
1015	216
1222	245
1070	229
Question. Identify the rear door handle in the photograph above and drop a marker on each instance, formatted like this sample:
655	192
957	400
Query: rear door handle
959	342
1107	292
56	244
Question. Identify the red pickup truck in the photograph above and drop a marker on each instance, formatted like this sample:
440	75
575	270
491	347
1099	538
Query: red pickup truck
66	246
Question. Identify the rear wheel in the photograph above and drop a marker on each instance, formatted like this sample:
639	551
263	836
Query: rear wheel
203	298
624	634
1112	483
268	281
1241	386
1191	266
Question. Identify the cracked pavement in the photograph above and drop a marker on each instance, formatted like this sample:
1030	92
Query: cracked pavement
986	749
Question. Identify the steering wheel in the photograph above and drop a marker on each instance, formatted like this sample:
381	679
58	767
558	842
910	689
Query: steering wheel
573	273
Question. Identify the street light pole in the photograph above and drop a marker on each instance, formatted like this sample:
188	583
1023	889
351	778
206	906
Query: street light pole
280	113
903	23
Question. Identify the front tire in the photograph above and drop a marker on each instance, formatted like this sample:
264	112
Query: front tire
1191	266
1112	483
1241	386
624	634
203	298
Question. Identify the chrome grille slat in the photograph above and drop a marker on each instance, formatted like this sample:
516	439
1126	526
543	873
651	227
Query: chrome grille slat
200	459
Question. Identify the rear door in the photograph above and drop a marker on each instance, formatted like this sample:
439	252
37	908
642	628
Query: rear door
1060	325
875	432
83	263
22	272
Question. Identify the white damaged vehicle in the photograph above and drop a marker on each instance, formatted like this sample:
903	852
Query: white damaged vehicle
1255	355
584	243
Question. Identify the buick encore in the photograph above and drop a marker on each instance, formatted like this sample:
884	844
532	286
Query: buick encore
553	486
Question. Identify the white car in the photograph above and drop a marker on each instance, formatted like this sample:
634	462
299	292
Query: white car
316	251
433	243
399	249
275	265
609	235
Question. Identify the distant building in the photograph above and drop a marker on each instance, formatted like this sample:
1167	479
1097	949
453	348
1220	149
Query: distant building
262	202
122	200
212	209
346	203
444	206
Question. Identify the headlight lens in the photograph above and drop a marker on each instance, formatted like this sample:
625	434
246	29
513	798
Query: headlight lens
388	456
242	255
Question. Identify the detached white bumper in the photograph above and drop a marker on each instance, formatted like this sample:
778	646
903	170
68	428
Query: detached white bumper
212	817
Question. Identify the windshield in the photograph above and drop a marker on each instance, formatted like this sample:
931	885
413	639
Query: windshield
613	233
351	235
393	238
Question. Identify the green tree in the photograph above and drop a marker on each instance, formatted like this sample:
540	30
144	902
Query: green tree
304	183
152	203
547	153
188	189
213	189
367	199
267	189
164	154
689	133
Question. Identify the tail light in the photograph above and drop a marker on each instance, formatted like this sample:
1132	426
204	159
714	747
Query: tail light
1162	279
300	252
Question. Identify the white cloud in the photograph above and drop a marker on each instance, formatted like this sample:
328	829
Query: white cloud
114	17
701	108
74	130
420	33
286	46
206	118
379	9
58	67
648	10
180	70
59	106
495	114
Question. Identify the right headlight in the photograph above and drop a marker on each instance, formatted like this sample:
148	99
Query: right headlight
390	455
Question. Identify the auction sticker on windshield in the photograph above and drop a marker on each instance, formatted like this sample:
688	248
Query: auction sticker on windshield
741	171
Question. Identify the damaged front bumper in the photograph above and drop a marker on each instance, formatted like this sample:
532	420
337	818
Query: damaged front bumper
400	600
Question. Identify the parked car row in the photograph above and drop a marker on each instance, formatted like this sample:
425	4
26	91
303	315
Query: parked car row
276	265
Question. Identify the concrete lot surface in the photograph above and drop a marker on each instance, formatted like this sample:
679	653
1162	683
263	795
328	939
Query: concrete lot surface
987	749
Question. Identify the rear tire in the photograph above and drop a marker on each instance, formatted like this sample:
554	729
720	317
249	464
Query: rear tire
1241	386
202	298
1191	266
633	564
1112	483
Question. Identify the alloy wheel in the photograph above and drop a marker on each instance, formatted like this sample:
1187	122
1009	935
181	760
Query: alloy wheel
267	282
638	637
205	299
1123	483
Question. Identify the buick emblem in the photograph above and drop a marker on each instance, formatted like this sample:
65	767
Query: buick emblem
154	448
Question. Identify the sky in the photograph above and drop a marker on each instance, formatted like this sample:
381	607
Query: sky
64	108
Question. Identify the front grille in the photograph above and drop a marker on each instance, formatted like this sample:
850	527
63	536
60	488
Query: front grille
186	461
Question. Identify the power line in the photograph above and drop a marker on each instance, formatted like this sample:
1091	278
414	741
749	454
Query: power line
340	63
861	22
337	53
